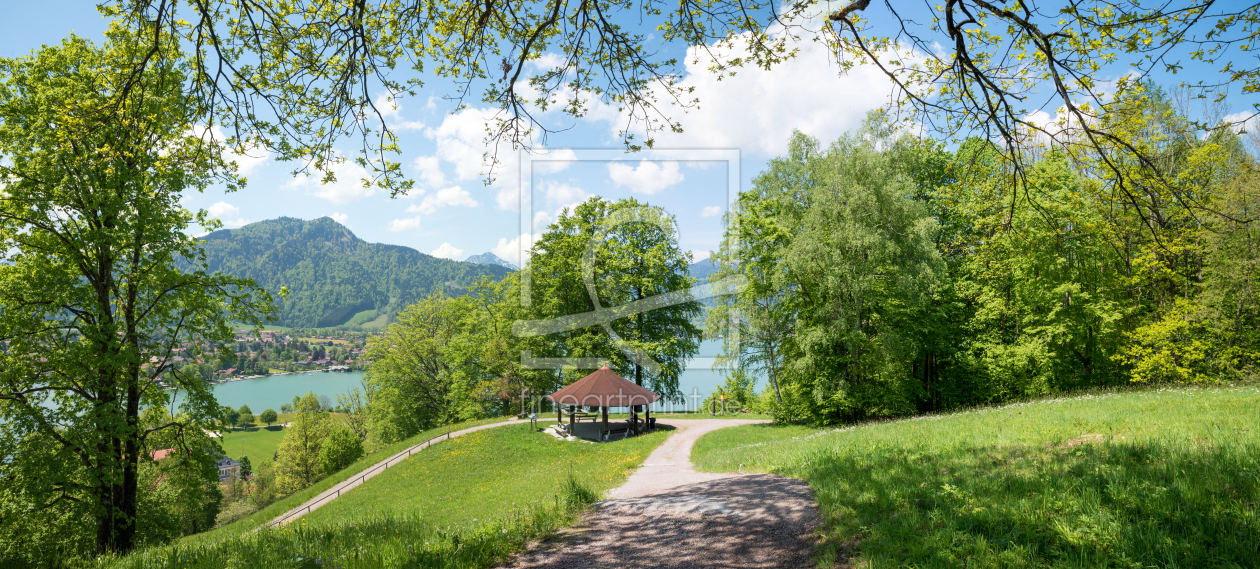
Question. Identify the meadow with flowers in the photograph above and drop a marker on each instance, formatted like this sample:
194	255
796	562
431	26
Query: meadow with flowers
1164	477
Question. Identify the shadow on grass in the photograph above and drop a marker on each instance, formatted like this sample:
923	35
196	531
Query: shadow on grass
1083	502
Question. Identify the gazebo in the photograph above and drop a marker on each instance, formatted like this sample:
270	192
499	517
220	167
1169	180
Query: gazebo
604	389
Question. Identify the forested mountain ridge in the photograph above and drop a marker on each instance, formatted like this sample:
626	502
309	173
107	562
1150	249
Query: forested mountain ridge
332	274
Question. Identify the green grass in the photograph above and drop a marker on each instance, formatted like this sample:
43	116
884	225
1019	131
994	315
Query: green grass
1166	478
481	475
469	502
259	443
252	521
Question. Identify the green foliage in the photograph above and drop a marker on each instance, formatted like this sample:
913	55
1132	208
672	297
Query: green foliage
299	463
1146	478
91	300
268	417
633	254
329	274
340	450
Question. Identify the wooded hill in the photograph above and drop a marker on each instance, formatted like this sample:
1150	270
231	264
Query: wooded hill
331	274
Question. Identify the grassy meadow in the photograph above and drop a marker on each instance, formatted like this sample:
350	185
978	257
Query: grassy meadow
1157	478
258	444
252	521
469	502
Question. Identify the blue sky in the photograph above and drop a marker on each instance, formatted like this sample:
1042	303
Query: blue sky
454	213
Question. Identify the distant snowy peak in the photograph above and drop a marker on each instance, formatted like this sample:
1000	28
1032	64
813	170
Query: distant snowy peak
488	258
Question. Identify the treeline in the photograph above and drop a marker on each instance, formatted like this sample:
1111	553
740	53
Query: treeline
329	273
889	275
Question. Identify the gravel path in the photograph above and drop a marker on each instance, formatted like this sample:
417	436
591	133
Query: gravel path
335	492
669	515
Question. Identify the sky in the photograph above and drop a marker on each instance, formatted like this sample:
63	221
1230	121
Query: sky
453	213
740	124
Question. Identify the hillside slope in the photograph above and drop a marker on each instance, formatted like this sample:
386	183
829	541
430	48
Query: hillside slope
1152	478
331	274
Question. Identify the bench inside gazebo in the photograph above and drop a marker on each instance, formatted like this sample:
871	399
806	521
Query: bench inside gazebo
597	392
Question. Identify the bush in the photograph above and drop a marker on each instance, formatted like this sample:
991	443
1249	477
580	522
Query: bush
340	450
234	511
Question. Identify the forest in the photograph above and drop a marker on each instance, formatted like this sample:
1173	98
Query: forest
329	274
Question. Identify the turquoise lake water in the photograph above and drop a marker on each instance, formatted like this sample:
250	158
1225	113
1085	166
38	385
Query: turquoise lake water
697	382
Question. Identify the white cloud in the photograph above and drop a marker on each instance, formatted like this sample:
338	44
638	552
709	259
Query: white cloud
391	110
541	220
404	224
461	141
430	171
248	160
340	218
647	178
697	256
711	211
234	223
756	110
223	209
348	188
511	250
452	196
448	251
552	160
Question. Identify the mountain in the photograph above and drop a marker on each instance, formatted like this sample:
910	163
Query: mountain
701	270
334	277
489	258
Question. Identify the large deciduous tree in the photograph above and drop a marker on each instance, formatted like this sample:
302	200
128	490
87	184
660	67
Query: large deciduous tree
625	256
93	164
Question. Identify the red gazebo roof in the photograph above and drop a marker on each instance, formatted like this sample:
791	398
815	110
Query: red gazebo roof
604	388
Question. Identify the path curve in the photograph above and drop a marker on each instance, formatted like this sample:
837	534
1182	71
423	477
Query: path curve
668	515
338	489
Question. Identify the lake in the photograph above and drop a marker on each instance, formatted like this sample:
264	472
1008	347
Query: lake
696	382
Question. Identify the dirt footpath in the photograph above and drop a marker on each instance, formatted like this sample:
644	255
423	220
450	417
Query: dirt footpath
669	515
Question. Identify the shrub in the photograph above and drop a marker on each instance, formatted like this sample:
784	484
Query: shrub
340	450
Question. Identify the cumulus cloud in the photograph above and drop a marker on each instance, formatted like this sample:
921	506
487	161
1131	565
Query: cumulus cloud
247	160
429	171
463	151
452	196
515	250
223	209
340	218
756	110
391	110
404	224
234	223
552	160
448	251
647	178
553	197
348	187
711	211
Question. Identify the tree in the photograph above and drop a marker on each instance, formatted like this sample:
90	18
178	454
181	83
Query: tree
92	305
299	465
629	259
355	411
231	416
269	416
246	469
342	448
854	252
246	416
411	386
